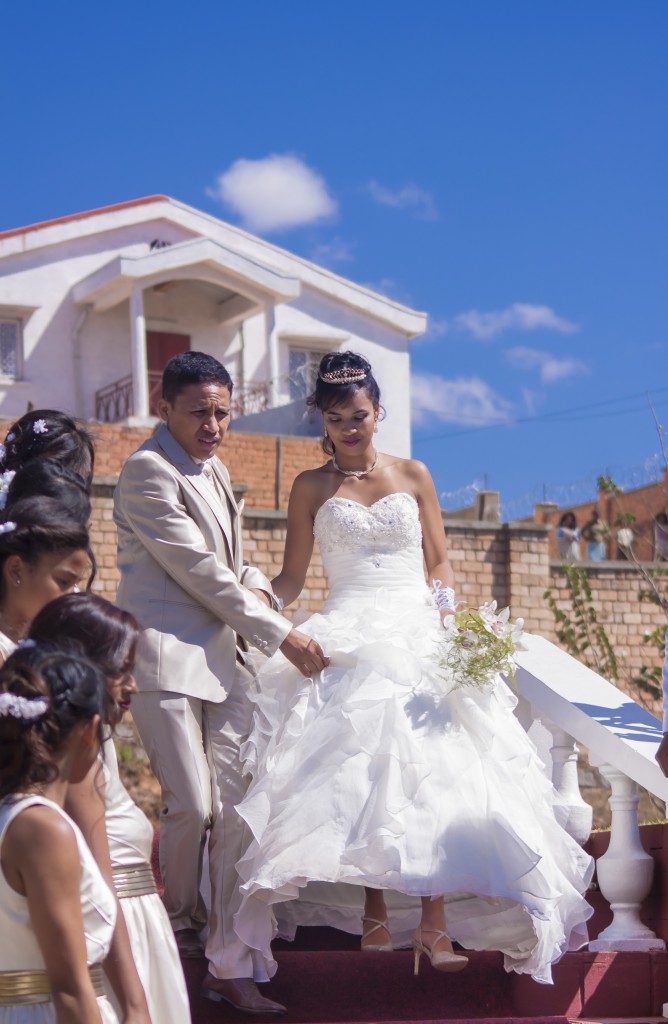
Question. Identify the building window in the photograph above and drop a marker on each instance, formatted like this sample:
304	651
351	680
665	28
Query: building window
10	348
302	372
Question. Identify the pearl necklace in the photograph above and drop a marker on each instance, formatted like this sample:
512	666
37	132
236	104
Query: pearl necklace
355	472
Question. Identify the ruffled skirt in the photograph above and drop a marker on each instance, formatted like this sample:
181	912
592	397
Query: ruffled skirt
373	775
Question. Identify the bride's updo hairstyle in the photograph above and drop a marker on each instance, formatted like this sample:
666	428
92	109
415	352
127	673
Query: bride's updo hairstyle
44	694
340	376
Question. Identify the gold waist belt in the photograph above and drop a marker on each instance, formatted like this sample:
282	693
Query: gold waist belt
25	988
134	880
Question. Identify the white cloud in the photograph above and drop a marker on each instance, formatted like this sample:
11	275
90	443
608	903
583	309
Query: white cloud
275	193
466	400
336	251
437	328
520	316
551	367
411	196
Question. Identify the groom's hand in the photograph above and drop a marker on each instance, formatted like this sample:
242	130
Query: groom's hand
305	653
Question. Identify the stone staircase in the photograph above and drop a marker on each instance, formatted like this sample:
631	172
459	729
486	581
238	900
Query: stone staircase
336	985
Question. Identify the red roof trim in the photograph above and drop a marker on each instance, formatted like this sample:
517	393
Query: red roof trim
86	213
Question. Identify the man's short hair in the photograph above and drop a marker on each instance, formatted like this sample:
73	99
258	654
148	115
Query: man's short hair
192	368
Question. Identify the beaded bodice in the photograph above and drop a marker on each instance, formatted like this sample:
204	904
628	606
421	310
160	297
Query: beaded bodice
391	524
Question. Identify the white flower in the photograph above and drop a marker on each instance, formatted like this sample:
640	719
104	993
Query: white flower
40	427
7	527
22	707
5	480
10	436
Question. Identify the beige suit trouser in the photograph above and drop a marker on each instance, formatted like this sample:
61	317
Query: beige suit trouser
193	747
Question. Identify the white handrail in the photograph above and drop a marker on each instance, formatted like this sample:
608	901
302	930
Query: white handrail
615	729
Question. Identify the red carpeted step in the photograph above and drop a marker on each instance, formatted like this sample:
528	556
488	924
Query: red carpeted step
319	988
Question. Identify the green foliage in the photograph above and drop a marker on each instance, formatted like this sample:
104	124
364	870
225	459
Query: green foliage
578	629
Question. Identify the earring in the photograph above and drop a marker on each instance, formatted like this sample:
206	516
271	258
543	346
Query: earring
375	427
17	582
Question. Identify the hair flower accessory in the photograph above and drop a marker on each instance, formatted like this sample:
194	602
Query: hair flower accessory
26	708
479	645
25	644
40	427
5	480
7	527
11	436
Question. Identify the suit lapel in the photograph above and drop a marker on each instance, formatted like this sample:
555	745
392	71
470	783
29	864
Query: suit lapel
194	476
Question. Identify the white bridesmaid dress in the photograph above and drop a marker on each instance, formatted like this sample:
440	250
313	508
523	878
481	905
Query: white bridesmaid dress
130	836
19	950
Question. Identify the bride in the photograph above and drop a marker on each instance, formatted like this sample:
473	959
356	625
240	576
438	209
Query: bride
371	774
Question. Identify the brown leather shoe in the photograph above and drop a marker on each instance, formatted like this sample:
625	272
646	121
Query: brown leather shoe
241	993
188	943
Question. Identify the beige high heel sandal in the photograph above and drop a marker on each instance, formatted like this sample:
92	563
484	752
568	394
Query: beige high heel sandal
441	960
384	947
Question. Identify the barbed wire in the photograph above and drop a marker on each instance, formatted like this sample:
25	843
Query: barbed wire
576	492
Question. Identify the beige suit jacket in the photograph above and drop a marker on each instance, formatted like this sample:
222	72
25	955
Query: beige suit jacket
182	573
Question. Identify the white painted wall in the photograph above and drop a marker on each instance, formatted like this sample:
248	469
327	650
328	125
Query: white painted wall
44	277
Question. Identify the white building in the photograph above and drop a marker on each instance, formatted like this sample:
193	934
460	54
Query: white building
92	306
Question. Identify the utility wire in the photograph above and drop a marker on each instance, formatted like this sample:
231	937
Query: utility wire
561	416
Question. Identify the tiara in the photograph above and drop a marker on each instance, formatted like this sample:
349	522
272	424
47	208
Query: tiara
349	376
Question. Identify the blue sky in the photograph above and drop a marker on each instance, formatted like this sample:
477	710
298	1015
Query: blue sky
502	166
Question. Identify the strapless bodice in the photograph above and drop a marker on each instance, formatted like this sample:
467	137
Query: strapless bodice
367	547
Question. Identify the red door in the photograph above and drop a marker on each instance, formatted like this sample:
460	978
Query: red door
160	347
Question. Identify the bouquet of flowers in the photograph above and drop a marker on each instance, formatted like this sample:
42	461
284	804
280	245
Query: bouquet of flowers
478	645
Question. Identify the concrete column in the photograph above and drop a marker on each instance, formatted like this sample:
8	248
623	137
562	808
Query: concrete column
140	408
272	348
624	872
565	780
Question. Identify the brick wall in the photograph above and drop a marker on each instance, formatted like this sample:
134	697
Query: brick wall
266	465
510	562
615	588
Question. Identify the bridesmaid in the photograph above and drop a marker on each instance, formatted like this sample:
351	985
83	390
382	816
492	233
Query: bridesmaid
118	833
43	554
49	434
56	912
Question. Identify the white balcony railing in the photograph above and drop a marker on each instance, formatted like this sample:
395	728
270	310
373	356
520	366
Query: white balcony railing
575	705
115	402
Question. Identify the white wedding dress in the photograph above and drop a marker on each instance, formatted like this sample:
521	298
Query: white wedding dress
372	774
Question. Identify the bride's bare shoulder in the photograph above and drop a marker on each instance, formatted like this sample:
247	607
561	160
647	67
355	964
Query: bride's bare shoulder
410	472
312	486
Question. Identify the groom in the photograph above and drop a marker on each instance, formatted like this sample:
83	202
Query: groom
183	577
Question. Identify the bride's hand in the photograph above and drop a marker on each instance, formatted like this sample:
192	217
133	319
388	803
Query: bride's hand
304	652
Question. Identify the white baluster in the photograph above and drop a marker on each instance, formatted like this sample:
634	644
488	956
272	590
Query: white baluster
624	872
565	780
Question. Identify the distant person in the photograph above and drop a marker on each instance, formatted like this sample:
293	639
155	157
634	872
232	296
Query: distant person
625	538
661	536
595	532
568	538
